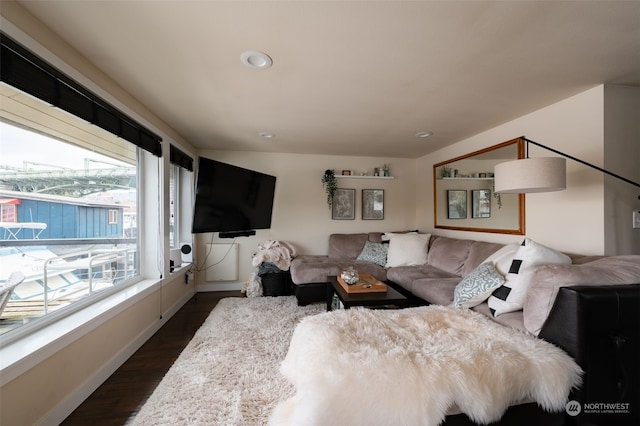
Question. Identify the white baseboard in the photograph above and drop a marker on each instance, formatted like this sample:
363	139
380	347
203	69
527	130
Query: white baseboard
76	398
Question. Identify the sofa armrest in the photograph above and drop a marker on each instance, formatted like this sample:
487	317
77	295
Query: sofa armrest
600	328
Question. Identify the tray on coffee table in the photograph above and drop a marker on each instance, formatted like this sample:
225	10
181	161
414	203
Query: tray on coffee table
389	298
366	284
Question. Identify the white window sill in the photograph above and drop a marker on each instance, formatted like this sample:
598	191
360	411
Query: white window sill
19	356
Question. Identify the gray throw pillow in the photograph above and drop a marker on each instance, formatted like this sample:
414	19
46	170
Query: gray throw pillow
374	252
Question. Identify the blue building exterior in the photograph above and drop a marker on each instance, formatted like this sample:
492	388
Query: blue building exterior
65	217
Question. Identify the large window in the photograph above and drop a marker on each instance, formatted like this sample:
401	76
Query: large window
68	220
72	169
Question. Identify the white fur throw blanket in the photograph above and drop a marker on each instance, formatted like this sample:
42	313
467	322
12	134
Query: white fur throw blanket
409	367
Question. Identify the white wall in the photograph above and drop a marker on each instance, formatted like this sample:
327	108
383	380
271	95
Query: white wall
570	220
300	212
622	156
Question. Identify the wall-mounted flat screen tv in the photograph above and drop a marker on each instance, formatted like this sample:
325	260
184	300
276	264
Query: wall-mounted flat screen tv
231	198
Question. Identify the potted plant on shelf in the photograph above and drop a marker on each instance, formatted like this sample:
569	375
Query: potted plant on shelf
330	184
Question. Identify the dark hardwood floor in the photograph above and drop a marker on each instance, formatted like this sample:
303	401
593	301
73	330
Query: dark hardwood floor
121	396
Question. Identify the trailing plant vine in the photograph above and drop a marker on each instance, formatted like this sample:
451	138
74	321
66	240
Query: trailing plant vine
330	184
497	196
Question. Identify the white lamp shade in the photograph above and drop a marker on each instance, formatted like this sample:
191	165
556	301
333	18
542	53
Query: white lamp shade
540	174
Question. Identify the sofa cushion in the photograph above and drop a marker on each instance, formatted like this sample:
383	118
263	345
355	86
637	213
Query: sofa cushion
547	280
407	249
375	237
510	319
406	276
477	286
313	269
366	267
437	291
449	254
478	253
316	269
511	295
346	246
374	252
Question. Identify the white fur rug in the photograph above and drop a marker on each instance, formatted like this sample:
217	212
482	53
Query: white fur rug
409	367
228	373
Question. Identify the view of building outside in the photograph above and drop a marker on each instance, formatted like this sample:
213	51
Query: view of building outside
68	222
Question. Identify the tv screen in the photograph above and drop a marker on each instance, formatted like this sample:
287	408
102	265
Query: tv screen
231	199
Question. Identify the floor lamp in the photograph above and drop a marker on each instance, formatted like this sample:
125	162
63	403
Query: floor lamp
539	174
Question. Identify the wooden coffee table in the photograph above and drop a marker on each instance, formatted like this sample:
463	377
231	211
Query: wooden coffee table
390	297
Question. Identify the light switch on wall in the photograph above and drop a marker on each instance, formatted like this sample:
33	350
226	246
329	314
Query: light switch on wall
636	219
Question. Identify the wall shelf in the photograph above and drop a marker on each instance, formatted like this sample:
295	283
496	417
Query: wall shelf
364	177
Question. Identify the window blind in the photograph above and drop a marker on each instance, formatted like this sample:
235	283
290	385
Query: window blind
180	158
27	72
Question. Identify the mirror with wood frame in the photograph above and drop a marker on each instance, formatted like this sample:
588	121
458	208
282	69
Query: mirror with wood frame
463	192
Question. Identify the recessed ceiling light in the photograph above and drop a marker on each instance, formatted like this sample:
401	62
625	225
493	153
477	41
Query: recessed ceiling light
423	134
266	135
257	60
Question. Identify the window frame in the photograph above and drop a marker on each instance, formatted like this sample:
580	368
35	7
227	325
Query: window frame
174	203
113	217
8	213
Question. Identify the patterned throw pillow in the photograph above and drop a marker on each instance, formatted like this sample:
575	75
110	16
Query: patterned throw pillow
374	252
510	297
476	287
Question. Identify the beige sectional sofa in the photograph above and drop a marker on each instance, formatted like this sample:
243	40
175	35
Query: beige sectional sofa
434	274
589	306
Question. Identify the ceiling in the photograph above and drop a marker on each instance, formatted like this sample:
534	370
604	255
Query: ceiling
349	77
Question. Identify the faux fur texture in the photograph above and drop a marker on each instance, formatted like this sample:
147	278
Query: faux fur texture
408	367
228	373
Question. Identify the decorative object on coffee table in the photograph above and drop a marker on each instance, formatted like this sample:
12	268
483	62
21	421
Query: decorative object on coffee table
366	283
369	297
350	276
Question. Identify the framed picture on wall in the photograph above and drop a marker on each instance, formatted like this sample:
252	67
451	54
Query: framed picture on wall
481	202
344	204
456	204
373	204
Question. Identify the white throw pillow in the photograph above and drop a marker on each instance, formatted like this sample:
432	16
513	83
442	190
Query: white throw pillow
510	297
407	249
502	258
476	287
